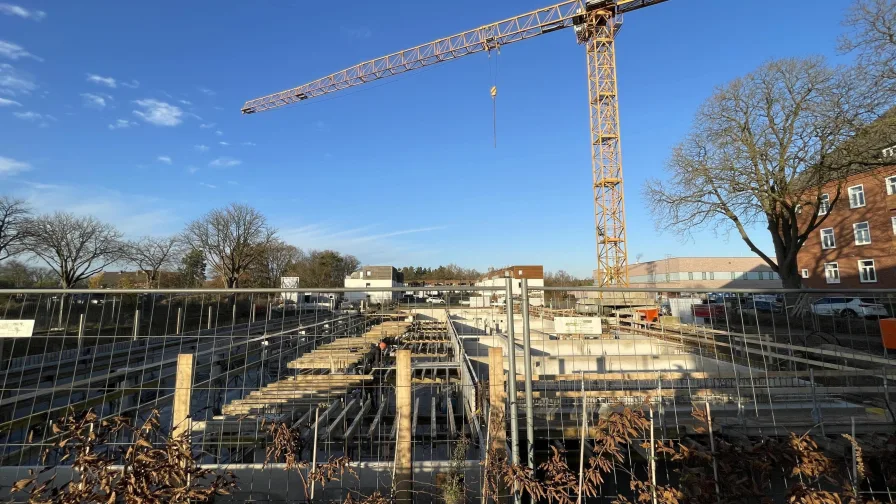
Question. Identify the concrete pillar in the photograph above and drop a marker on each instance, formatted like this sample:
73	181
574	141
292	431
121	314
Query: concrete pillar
403	481
183	386
497	399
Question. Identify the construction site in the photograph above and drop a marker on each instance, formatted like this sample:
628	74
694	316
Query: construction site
500	391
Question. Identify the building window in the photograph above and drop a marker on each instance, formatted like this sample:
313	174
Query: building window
831	273
733	275
856	196
703	275
368	272
805	273
690	275
367	284
893	221
824	204
862	232
827	238
891	185
866	271
712	275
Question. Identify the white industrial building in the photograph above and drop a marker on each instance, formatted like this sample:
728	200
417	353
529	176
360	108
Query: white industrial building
374	277
534	276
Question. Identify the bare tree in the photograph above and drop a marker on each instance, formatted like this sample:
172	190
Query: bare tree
73	247
151	254
232	239
759	152
278	256
871	35
13	215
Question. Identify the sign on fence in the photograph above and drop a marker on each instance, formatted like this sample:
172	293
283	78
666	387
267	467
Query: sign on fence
577	325
16	328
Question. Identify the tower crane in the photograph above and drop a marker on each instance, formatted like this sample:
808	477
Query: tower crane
595	23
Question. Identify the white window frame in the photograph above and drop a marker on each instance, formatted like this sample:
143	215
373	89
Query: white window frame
891	185
824	204
734	275
893	221
690	275
861	191
855	233
804	273
712	275
703	275
873	270
827	278
833	239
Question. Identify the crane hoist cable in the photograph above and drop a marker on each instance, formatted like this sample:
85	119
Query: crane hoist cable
494	93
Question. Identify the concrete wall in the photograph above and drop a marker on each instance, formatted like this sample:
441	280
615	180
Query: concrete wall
373	296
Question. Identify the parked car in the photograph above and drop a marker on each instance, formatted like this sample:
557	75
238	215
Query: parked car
753	307
435	300
849	307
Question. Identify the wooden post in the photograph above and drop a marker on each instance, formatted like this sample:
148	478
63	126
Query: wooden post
183	387
403	479
497	404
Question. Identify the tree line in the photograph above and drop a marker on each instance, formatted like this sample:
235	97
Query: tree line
765	149
233	246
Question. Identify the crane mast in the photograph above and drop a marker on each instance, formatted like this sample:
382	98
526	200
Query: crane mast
596	23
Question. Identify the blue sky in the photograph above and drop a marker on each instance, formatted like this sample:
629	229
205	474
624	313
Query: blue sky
131	111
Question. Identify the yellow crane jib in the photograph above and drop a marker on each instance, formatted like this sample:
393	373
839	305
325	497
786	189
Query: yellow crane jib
596	23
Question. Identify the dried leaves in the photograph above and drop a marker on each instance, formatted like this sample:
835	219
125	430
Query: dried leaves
151	468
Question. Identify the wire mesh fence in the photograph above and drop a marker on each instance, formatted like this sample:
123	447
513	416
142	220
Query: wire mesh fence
407	395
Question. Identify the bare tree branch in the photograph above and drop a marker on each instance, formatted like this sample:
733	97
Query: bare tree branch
13	231
232	239
151	254
761	148
73	247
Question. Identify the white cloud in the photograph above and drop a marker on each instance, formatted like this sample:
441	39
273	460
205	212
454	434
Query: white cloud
9	166
225	144
14	82
219	133
201	148
225	162
185	102
206	91
134	84
94	101
158	112
14	52
207	125
18	10
102	81
8	103
34	117
164	159
121	124
249	144
210	186
192	169
232	182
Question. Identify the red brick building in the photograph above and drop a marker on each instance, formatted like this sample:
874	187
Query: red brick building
855	247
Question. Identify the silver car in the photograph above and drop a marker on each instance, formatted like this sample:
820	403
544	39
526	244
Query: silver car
849	307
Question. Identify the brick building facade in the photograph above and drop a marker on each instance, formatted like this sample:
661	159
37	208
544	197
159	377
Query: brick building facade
710	273
855	247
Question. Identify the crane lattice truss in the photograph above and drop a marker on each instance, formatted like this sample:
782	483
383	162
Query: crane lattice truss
596	24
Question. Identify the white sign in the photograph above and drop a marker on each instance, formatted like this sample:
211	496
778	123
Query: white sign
577	325
16	328
289	282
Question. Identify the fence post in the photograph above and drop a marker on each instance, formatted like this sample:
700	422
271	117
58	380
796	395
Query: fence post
712	451
403	479
511	389
496	426
136	324
177	327
209	322
183	387
527	361
233	316
82	321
